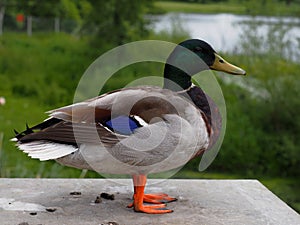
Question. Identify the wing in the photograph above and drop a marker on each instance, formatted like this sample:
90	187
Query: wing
101	120
146	102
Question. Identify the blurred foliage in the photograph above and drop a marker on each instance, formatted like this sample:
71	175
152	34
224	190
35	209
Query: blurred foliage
246	7
72	9
115	22
272	7
29	64
192	7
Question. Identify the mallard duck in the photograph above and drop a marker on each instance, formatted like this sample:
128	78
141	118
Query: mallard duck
139	130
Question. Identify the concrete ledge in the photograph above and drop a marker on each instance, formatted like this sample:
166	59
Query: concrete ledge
48	201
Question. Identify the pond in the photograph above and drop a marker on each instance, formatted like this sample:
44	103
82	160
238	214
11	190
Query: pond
225	31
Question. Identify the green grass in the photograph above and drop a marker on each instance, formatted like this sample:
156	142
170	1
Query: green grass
35	75
270	8
56	62
169	6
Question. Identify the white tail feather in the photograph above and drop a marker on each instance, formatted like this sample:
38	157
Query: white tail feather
46	150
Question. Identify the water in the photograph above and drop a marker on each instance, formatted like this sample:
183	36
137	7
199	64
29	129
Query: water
224	31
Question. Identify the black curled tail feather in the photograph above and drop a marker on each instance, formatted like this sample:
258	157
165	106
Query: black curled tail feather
29	130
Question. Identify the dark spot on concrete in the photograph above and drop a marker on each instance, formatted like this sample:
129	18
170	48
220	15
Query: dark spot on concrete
23	223
50	209
112	223
75	193
107	196
33	213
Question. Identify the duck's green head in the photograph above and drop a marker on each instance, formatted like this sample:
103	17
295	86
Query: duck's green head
190	64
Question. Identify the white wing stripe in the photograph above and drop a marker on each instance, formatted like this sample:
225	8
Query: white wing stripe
140	120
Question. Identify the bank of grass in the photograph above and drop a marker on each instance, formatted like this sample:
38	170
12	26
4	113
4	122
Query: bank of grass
36	74
269	8
184	7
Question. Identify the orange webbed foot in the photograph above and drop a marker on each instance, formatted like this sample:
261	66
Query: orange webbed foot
158	199
152	209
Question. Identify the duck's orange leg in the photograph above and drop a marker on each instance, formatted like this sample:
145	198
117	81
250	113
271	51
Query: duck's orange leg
139	182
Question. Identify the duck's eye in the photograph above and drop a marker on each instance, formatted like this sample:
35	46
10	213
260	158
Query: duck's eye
198	49
221	61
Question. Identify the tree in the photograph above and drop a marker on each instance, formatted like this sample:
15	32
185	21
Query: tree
54	8
117	21
58	9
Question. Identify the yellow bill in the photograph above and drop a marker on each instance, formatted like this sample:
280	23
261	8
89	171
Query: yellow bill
221	64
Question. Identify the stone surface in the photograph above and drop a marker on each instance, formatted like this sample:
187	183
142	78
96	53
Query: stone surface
48	201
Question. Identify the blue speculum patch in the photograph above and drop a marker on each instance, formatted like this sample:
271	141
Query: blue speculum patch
122	124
